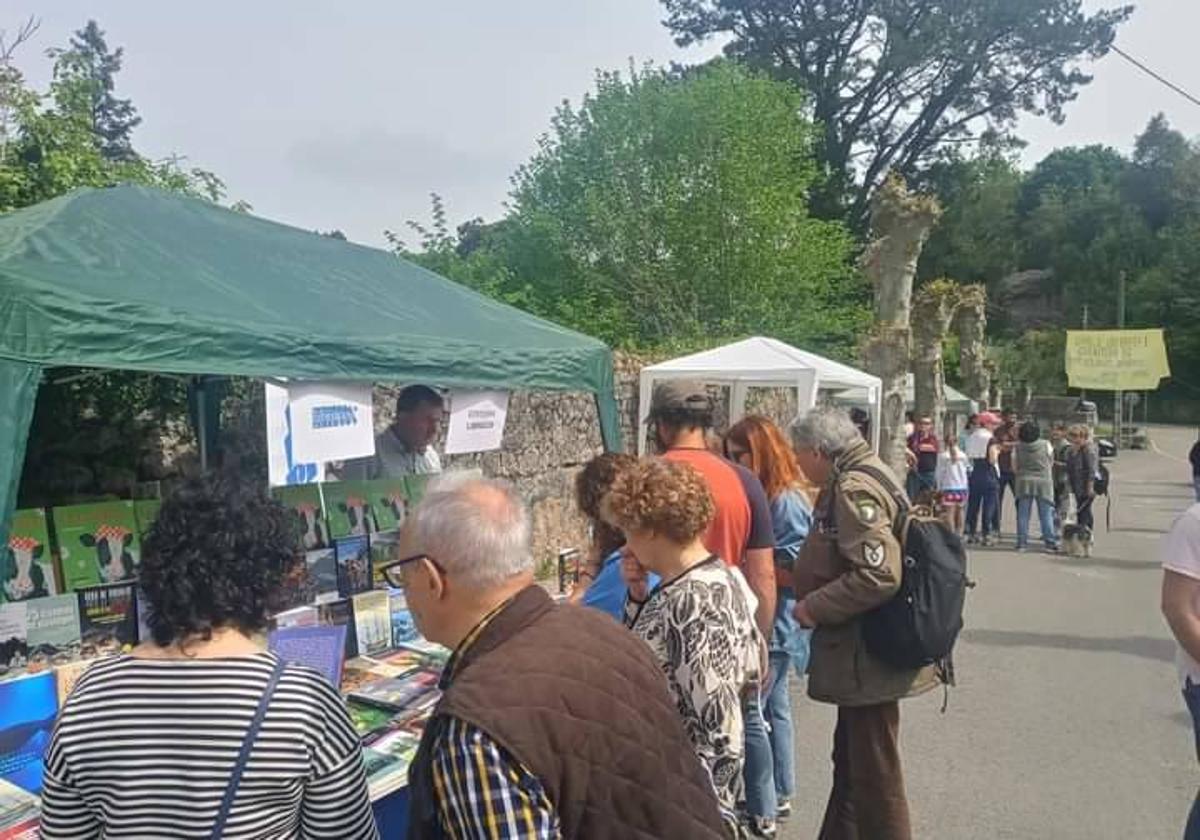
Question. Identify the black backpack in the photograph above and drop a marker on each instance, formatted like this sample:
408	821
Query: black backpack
920	625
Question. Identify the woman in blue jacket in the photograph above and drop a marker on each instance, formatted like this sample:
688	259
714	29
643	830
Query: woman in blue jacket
757	444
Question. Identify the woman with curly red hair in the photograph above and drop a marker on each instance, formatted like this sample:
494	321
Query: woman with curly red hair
699	621
758	445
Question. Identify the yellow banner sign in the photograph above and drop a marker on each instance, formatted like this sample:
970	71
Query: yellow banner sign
1117	360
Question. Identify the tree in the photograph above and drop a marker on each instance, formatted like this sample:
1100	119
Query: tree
896	82
971	326
977	239
86	76
669	209
900	224
934	307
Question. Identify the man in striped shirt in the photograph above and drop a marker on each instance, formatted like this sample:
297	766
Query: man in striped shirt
554	721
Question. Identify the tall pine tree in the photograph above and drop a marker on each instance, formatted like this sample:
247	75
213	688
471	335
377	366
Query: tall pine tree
88	68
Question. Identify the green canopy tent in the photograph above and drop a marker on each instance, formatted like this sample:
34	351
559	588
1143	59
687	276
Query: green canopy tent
142	279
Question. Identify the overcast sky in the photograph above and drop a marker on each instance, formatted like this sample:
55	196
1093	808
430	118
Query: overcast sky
347	115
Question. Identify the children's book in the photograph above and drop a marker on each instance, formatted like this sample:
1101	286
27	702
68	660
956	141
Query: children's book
304	500
26	563
351	513
99	543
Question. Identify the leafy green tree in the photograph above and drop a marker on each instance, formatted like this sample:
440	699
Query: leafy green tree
977	239
670	208
894	83
86	76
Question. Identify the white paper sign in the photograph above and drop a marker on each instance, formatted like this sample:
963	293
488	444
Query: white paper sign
476	421
331	421
283	467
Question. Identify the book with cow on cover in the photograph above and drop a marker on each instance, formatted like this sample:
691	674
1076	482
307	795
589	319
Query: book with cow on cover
26	563
351	513
389	498
99	543
304	500
108	618
353	556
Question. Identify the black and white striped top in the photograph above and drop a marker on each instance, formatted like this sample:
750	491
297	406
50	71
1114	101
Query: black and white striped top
145	747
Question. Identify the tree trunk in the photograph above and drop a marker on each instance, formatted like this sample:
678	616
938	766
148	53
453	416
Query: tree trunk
972	351
933	311
900	224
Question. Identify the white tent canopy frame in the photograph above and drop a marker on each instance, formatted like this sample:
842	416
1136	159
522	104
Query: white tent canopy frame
761	363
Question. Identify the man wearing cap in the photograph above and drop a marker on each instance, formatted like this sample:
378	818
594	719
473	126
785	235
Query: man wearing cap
681	415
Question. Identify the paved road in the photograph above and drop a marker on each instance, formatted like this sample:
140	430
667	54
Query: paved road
1067	721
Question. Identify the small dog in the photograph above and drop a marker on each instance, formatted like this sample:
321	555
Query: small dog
1077	540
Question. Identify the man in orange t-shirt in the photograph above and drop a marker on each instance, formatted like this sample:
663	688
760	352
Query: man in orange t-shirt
681	413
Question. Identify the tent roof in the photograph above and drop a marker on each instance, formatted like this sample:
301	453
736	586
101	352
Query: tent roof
956	401
762	360
139	278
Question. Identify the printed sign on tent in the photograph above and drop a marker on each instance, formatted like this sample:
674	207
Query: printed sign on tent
476	421
331	421
283	467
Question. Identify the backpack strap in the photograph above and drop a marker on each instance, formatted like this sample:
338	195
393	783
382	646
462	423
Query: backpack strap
888	485
239	768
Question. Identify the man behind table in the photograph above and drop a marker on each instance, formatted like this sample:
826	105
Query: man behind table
406	446
681	414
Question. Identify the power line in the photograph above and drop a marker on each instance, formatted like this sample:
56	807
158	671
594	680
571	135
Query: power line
1139	65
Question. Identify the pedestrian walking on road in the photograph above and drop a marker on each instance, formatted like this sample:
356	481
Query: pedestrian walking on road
758	444
984	489
1181	607
850	565
953	475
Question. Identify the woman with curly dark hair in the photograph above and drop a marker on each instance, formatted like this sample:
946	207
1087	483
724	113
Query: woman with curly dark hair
699	621
199	732
600	584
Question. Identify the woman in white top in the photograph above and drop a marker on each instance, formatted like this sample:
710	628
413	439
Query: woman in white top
984	486
952	475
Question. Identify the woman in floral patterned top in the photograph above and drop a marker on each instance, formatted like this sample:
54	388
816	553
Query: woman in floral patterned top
699	621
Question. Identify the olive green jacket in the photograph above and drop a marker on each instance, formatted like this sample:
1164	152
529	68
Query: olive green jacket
851	564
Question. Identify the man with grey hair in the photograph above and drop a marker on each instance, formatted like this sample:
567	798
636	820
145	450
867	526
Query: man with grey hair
554	722
851	564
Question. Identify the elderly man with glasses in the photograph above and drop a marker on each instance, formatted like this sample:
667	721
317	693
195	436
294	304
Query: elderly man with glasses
554	721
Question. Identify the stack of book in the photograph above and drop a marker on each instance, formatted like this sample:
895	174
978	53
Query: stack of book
19	813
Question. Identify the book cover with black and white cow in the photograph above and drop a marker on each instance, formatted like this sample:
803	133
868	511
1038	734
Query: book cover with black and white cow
305	501
27	564
351	513
99	543
108	618
390	500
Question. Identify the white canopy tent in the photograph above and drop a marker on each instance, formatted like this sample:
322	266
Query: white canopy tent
958	404
762	363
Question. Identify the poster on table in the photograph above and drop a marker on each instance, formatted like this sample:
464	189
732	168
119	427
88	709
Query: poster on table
26	565
476	421
283	466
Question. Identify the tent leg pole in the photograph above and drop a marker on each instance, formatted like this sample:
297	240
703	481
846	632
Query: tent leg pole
202	426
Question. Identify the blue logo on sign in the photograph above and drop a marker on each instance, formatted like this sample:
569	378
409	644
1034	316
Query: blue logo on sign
334	416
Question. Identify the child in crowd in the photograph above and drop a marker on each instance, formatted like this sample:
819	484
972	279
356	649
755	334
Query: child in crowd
952	470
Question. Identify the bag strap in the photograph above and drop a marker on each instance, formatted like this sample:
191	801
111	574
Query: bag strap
244	754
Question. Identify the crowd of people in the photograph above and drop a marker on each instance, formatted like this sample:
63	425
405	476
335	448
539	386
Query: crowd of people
657	705
969	476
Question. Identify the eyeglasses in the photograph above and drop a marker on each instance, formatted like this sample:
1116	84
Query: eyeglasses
393	571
